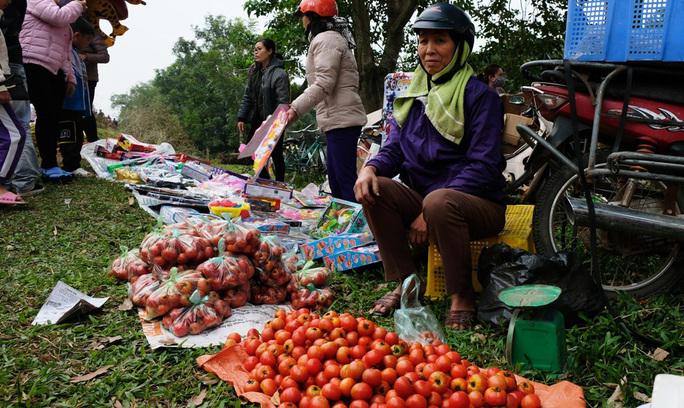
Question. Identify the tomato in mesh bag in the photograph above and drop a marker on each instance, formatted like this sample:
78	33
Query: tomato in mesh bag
142	288
312	276
268	258
240	240
312	298
203	313
267	295
172	293
129	265
238	297
226	270
212	230
177	249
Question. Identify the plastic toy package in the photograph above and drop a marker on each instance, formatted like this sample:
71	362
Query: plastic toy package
276	125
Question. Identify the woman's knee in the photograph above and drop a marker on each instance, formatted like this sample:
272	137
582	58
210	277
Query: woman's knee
440	203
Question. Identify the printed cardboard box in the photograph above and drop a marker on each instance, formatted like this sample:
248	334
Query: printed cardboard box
334	244
353	258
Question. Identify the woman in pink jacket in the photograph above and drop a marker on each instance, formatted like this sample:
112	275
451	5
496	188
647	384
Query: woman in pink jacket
46	44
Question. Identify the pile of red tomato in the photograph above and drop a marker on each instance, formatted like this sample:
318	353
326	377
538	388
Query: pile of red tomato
342	361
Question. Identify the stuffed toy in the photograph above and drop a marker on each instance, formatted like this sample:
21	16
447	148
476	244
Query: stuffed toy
111	10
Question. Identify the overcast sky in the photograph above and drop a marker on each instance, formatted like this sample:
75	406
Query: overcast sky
147	46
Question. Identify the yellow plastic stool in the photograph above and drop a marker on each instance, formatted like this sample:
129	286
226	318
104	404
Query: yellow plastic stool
517	233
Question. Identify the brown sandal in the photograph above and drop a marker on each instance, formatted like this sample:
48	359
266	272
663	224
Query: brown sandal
387	303
460	319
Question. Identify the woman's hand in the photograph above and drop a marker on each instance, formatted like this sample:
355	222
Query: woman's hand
70	88
5	97
291	115
367	187
418	232
241	127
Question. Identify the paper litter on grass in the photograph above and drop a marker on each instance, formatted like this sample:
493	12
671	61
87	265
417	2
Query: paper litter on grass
242	319
65	301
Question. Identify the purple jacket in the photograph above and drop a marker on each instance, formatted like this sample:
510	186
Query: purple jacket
45	36
426	161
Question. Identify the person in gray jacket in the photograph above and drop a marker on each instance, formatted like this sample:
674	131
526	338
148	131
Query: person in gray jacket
268	86
333	91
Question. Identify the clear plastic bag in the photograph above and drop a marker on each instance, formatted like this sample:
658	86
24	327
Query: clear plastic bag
226	270
203	313
269	260
268	295
172	293
175	249
241	240
316	276
142	288
129	266
413	321
238	297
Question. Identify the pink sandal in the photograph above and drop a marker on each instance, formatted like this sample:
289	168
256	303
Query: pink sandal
10	198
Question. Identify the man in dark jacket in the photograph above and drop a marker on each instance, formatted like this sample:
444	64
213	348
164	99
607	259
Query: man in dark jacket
27	171
268	87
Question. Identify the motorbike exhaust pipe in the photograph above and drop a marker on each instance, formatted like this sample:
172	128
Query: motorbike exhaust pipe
616	218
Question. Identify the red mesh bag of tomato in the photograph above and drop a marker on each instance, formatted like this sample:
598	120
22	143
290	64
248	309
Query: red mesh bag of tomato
312	298
176	249
128	265
309	275
267	295
142	288
238	297
240	240
226	270
212	230
271	269
203	313
172	293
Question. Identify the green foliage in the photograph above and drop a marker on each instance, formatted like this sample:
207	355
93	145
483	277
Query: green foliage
147	115
205	84
193	103
517	32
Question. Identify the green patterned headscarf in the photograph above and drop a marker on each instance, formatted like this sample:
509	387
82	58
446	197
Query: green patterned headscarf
444	106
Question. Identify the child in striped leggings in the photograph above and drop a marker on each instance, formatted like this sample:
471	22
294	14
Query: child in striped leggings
12	133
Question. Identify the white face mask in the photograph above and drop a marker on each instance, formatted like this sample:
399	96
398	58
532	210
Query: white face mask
499	82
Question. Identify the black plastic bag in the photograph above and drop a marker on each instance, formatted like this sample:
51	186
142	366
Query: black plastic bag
501	267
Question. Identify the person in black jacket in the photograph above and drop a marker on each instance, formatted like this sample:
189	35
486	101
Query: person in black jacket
24	181
268	86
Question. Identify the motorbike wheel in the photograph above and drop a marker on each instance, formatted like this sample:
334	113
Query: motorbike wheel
639	265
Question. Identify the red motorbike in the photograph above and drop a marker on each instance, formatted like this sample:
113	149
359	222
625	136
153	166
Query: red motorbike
630	123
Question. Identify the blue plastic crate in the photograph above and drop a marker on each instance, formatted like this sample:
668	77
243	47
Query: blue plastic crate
625	30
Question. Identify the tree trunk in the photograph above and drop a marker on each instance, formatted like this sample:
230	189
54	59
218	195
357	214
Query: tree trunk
371	73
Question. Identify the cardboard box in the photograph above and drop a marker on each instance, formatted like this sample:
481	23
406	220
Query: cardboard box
266	225
353	258
196	171
268	189
334	244
510	134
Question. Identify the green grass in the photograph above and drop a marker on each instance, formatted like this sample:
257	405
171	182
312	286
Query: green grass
49	240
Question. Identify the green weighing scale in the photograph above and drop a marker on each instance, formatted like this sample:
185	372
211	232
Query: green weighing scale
536	334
